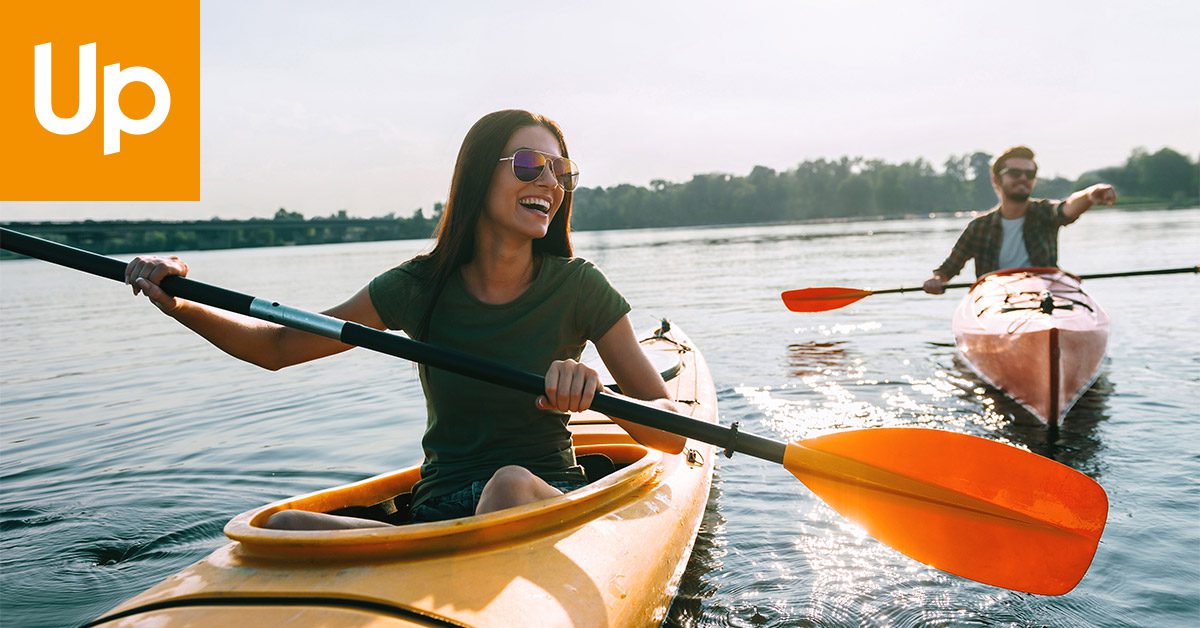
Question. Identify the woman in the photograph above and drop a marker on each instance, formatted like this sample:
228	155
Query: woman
501	283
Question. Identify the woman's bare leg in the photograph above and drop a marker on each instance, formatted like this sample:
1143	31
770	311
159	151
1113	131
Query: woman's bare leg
305	520
513	486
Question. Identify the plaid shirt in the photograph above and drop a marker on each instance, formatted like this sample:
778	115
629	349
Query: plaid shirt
981	239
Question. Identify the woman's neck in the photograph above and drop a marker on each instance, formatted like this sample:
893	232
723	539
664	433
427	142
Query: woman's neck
497	273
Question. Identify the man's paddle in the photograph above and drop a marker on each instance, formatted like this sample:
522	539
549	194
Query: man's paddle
829	298
969	506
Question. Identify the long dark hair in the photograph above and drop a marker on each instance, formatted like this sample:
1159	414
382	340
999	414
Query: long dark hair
481	151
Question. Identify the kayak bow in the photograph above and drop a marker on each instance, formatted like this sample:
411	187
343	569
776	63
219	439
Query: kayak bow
1034	334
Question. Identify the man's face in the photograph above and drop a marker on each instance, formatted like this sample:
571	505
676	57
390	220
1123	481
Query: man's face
1016	179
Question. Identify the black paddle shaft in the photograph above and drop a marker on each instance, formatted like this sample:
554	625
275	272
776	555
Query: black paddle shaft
394	345
1132	273
1139	273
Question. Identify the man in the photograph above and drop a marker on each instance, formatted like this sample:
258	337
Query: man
1021	231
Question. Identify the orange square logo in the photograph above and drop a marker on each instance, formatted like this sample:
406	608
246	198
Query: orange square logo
101	100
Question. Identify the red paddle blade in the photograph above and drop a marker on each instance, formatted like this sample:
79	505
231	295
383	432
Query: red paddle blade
821	299
969	506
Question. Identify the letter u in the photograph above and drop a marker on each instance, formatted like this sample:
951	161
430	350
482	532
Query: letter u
42	88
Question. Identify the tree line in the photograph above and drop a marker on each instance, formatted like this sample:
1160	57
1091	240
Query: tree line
817	189
854	186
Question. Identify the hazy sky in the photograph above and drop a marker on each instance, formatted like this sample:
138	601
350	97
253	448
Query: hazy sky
320	106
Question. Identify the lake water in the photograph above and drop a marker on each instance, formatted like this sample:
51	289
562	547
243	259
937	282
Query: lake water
126	443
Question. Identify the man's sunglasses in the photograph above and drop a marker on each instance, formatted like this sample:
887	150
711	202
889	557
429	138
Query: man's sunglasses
528	164
1017	173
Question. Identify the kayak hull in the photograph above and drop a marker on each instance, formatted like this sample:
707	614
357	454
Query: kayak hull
608	554
1042	354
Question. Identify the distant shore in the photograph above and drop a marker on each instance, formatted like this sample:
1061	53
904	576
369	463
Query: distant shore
141	236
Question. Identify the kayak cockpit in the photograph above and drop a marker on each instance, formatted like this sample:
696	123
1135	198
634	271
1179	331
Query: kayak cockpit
1025	295
629	472
636	471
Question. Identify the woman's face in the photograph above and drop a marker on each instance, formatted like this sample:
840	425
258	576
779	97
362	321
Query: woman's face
517	207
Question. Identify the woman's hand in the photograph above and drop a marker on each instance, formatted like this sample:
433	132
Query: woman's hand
570	387
143	274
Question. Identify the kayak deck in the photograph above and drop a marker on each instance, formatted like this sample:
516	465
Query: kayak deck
608	554
1035	335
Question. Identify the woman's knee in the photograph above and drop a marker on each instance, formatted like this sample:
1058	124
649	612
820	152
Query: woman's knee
512	478
514	484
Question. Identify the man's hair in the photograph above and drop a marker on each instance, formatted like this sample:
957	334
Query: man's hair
1020	152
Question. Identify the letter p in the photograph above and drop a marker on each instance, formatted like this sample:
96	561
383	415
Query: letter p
115	121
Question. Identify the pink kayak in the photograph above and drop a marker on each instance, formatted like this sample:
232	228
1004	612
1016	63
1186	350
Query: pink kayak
1034	334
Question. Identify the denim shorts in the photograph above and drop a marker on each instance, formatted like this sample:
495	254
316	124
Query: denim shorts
462	503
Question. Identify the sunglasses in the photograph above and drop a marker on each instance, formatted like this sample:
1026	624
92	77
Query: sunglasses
1017	173
528	165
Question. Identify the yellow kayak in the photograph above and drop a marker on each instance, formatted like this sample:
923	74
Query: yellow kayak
608	554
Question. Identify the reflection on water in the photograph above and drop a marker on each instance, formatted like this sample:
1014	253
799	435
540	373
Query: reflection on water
698	583
817	358
1074	443
122	456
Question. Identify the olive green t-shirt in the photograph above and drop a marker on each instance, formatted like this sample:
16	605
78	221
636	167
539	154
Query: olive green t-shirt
474	428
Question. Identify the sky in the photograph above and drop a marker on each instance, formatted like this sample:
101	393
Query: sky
321	106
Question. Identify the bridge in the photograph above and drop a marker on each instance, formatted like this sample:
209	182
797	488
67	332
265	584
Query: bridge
124	236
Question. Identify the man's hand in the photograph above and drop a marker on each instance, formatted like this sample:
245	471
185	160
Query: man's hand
1102	194
1083	200
935	285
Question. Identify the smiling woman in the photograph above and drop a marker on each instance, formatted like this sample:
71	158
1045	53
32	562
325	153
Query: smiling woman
500	282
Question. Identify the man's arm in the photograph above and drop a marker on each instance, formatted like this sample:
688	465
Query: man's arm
1084	199
963	251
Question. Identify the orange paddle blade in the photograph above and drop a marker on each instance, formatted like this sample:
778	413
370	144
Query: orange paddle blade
821	299
966	505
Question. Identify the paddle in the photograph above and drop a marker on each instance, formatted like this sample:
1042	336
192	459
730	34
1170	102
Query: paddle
969	506
829	298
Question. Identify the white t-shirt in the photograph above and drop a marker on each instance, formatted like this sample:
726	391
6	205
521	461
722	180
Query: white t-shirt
1012	244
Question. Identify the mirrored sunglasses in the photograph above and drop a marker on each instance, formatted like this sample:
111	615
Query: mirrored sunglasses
528	165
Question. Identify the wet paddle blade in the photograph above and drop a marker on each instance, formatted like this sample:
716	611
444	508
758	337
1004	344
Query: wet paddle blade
969	506
821	299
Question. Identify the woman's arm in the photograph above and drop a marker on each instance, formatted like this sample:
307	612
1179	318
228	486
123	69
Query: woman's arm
637	377
258	342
